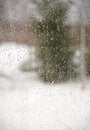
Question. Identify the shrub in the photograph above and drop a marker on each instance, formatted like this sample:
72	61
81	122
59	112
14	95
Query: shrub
54	46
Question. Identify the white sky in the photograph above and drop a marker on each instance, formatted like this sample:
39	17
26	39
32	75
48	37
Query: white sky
21	10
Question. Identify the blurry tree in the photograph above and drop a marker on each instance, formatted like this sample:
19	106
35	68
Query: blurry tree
54	42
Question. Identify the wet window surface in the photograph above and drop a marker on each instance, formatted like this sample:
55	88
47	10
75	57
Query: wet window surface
45	65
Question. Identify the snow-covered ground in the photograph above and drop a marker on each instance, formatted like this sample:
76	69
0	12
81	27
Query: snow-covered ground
26	103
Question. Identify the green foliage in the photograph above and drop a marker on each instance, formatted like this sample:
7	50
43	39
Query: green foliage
54	43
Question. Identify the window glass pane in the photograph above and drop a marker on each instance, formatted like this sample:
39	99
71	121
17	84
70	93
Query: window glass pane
44	64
